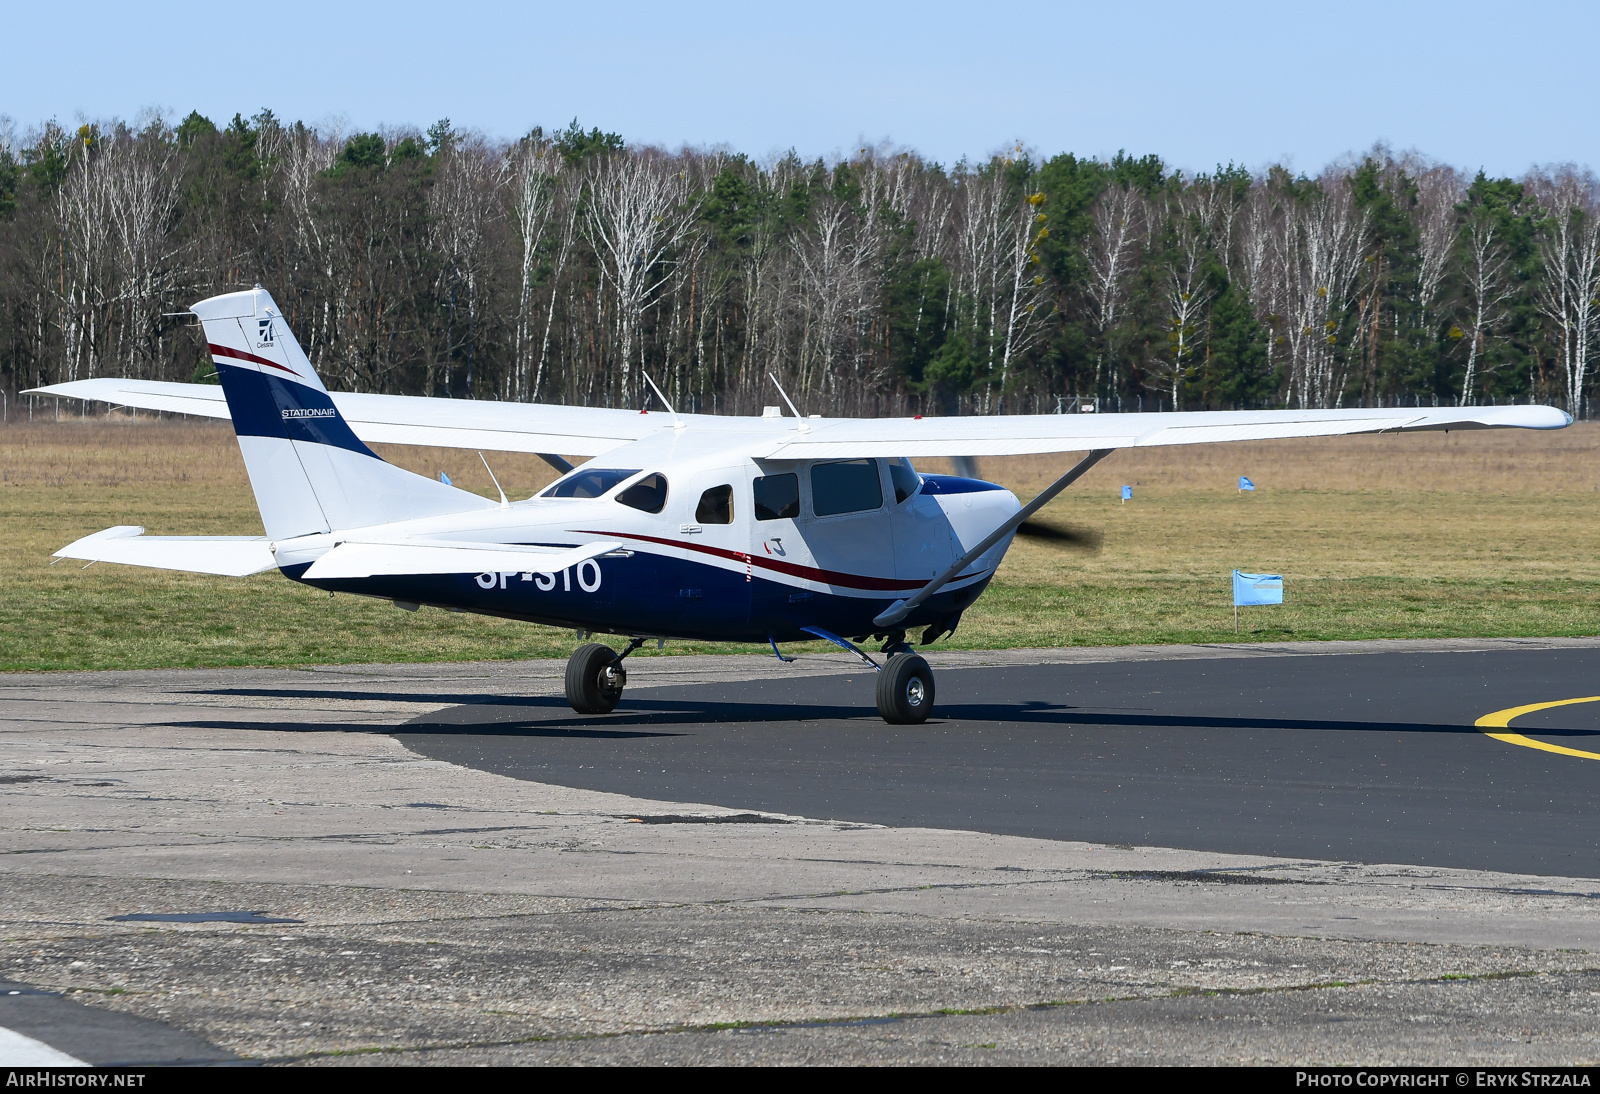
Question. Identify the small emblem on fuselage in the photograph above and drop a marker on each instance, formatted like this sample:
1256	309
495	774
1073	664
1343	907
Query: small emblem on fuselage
264	333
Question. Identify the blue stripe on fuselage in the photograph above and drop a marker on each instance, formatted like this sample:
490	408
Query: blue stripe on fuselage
657	595
265	406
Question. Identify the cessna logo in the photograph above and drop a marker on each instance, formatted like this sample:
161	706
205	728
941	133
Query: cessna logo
263	333
309	412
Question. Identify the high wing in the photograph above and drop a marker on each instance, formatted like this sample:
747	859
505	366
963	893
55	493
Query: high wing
1021	434
405	419
201	400
588	431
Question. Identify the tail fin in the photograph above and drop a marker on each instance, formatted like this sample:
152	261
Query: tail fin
309	471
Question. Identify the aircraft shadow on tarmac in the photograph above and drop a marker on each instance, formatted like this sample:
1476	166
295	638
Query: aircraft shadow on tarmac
639	716
372	696
483	729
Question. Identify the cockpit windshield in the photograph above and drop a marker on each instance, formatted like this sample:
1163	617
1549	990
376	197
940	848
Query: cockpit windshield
905	478
585	483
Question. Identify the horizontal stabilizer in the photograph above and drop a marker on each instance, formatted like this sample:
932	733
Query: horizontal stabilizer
229	556
415	557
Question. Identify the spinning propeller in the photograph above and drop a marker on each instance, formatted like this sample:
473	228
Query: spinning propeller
1069	537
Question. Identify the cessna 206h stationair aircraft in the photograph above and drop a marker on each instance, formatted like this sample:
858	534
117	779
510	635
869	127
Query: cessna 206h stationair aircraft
692	526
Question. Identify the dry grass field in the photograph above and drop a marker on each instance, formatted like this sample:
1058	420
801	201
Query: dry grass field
1458	534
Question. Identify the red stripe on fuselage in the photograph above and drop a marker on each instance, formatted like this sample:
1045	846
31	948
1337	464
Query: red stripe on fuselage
241	355
809	573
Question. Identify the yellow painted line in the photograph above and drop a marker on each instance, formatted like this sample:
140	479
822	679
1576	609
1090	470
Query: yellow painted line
1501	719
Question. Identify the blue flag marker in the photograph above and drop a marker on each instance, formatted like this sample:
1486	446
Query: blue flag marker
445	479
1127	493
1249	589
1246	484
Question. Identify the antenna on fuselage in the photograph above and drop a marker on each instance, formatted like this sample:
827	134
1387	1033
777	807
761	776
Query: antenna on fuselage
676	424
800	419
504	504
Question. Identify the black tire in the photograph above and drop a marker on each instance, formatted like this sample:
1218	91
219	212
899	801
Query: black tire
595	679
905	690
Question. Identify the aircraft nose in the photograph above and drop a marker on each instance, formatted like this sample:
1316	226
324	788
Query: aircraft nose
1002	503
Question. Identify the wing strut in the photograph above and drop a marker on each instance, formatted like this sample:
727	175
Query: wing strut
902	608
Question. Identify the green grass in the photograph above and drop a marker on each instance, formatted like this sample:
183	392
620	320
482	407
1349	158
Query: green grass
1177	609
1474	554
120	618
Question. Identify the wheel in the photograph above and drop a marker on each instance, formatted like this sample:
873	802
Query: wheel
595	679
905	690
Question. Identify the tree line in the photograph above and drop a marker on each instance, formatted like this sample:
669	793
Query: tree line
568	266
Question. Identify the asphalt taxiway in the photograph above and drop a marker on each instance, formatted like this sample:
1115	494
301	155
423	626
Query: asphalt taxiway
1300	854
1354	756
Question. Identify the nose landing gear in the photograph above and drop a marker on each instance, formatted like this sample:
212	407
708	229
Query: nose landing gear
905	683
905	690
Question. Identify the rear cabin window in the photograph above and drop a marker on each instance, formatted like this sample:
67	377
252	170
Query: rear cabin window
777	497
588	484
848	487
716	506
648	494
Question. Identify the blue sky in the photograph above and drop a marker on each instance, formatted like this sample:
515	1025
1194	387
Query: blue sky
1501	86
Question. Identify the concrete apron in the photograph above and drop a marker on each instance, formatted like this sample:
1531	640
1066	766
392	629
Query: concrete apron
440	913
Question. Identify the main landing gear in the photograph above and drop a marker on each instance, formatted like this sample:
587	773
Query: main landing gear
595	677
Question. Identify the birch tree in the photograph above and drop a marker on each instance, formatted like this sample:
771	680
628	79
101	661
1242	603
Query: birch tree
83	214
1439	191
639	210
979	251
1188	221
1488	287
830	265
1022	285
141	195
999	291
565	214
307	154
535	180
1569	274
1109	252
1259	265
1324	241
462	203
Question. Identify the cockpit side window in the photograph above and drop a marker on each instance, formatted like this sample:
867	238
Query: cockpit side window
905	478
849	486
585	483
648	494
716	506
777	497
